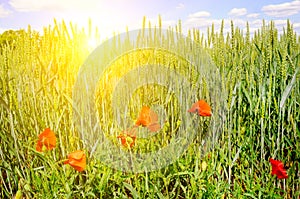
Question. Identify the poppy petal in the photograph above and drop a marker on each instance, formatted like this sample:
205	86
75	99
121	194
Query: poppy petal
154	127
194	108
278	169
77	155
201	108
148	118
39	146
153	116
128	137
77	160
204	113
47	139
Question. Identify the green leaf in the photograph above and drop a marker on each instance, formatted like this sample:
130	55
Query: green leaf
132	190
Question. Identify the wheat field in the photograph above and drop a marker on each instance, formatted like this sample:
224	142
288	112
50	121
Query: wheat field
258	72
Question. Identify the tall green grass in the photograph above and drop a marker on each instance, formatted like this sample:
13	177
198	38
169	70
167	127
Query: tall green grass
260	73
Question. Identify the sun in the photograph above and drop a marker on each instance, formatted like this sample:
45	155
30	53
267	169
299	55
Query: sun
92	43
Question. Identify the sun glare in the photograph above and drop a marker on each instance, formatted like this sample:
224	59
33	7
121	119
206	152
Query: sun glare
92	43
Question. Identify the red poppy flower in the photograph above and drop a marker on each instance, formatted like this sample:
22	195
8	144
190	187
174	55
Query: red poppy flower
201	108
77	160
127	138
149	119
47	140
278	169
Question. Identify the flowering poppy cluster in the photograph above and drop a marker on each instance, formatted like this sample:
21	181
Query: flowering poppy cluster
128	138
47	141
149	119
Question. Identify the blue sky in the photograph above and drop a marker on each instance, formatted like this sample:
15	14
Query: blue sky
115	15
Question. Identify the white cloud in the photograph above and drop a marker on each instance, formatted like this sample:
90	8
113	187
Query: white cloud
283	9
199	14
253	15
203	23
203	20
4	12
280	22
238	12
296	25
180	6
254	24
198	23
54	5
197	20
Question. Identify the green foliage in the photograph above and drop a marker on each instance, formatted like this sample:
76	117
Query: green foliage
260	74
